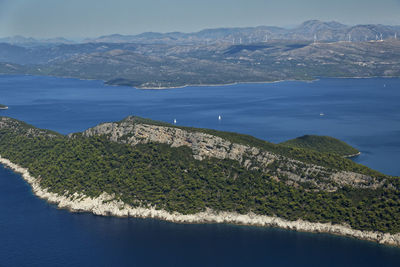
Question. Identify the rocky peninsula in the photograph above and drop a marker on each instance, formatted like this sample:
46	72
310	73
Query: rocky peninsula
106	205
148	169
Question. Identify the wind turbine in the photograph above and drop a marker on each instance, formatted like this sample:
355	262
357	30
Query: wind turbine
315	38
349	37
395	35
381	37
266	38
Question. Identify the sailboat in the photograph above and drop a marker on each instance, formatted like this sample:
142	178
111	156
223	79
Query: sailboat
174	121
219	117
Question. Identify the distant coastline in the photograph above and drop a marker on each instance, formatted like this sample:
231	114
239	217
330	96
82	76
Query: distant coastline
227	84
174	87
106	205
214	85
311	80
244	82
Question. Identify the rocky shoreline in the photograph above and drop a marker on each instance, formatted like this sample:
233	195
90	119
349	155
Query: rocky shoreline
106	205
353	155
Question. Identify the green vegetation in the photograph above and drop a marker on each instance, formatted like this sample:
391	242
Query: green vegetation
324	144
171	179
332	161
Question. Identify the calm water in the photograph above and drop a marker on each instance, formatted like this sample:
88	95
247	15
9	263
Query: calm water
362	112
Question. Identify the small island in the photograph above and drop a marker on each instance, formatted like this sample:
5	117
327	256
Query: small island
143	168
324	144
3	106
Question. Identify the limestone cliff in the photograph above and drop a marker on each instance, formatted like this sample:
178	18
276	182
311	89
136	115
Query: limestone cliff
130	131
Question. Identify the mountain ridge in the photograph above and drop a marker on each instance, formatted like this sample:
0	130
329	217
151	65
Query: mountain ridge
332	31
323	30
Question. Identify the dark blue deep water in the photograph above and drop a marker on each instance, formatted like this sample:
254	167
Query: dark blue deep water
363	112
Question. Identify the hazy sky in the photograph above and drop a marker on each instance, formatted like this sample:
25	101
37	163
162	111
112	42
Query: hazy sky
90	18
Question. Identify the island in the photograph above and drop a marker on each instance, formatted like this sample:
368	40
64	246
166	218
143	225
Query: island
325	144
138	167
3	106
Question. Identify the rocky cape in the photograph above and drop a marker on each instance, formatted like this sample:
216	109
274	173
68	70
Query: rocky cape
106	205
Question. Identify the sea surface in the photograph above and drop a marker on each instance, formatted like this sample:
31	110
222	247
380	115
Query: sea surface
363	112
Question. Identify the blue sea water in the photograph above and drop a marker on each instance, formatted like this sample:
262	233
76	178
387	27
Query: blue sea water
363	112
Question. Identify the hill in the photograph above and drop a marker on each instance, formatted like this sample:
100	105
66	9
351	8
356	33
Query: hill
140	167
324	144
212	56
324	31
166	66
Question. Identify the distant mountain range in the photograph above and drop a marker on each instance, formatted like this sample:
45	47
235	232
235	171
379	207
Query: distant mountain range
309	30
29	41
215	56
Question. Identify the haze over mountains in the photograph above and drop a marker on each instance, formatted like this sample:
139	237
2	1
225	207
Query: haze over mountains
323	31
215	56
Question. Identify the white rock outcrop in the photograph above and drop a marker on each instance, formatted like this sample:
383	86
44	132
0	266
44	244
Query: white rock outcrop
106	205
207	145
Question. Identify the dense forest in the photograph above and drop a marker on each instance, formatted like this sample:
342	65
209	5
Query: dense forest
332	160
325	144
169	178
